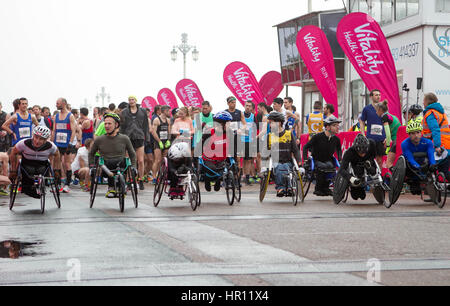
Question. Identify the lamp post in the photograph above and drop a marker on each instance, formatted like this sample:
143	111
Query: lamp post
103	95
184	48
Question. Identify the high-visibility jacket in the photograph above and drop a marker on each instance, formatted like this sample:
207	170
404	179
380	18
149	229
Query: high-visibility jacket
442	120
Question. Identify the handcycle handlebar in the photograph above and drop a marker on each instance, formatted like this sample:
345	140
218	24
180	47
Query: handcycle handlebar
107	171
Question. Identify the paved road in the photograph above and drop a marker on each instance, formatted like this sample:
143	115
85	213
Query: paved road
249	244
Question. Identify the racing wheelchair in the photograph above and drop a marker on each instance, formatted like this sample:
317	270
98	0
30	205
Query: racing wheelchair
374	182
188	181
311	172
292	179
226	172
431	182
124	174
41	182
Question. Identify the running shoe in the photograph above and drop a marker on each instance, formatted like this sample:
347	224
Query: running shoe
3	192
141	185
66	189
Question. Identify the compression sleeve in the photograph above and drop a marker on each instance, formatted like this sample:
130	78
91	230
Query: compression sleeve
388	134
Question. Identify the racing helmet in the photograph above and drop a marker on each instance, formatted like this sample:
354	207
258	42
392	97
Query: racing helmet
222	117
179	150
414	127
361	144
42	131
331	120
414	109
114	116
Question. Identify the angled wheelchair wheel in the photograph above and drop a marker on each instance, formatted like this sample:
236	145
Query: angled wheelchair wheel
230	187
301	187
441	190
264	184
13	193
132	182
42	193
161	181
346	196
295	188
307	181
94	185
194	192
340	189
238	192
397	180
121	189
54	188
380	195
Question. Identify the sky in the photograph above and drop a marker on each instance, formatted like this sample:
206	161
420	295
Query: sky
72	48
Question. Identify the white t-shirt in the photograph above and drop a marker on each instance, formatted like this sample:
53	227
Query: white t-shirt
82	153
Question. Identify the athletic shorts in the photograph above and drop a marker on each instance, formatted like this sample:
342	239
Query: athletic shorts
66	151
380	149
137	143
148	149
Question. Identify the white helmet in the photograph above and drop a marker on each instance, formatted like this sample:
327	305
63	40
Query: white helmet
179	150
42	131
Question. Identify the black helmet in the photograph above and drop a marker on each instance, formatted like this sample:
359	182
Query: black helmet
331	120
414	109
361	144
276	116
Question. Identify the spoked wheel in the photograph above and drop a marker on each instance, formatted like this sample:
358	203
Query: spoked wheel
133	186
194	193
307	185
94	184
301	185
54	188
230	187
387	178
380	195
238	193
160	185
121	189
13	193
294	186
340	189
441	190
346	196
264	184
42	193
397	180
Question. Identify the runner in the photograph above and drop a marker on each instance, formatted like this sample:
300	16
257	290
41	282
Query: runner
47	118
64	132
375	130
160	132
4	138
314	121
80	165
134	124
248	144
391	125
21	123
87	126
37	113
328	110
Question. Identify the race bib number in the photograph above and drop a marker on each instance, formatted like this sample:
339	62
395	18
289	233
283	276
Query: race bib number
61	137
61	126
24	132
163	135
376	130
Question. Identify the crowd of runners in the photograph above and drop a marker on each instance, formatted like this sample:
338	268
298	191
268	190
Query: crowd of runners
184	135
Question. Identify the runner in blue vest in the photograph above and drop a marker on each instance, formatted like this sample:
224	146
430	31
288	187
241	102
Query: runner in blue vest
248	143
20	124
64	131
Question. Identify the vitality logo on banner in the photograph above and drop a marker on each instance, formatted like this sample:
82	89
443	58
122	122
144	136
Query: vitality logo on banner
189	93
315	51
242	83
150	103
365	45
271	86
166	97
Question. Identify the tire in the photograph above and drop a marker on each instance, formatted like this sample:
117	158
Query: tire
133	186
380	195
441	190
121	188
294	186
264	184
13	193
340	189
42	191
307	183
238	192
194	193
301	189
230	187
160	185
397	180
94	184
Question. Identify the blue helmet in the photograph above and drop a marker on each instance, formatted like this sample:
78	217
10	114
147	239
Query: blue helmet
222	117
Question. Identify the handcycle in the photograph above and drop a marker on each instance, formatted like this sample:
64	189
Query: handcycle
41	182
229	175
431	182
374	182
293	182
311	171
188	181
122	177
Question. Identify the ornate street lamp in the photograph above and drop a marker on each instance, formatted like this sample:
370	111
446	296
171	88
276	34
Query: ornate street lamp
184	49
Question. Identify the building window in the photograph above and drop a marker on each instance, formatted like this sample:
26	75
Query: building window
400	9
375	10
443	6
386	12
359	98
413	7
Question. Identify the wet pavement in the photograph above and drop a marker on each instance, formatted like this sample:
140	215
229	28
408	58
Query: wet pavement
250	244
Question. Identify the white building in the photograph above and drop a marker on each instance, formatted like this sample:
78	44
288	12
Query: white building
418	33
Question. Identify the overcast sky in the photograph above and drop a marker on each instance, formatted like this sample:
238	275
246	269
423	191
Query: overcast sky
71	48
